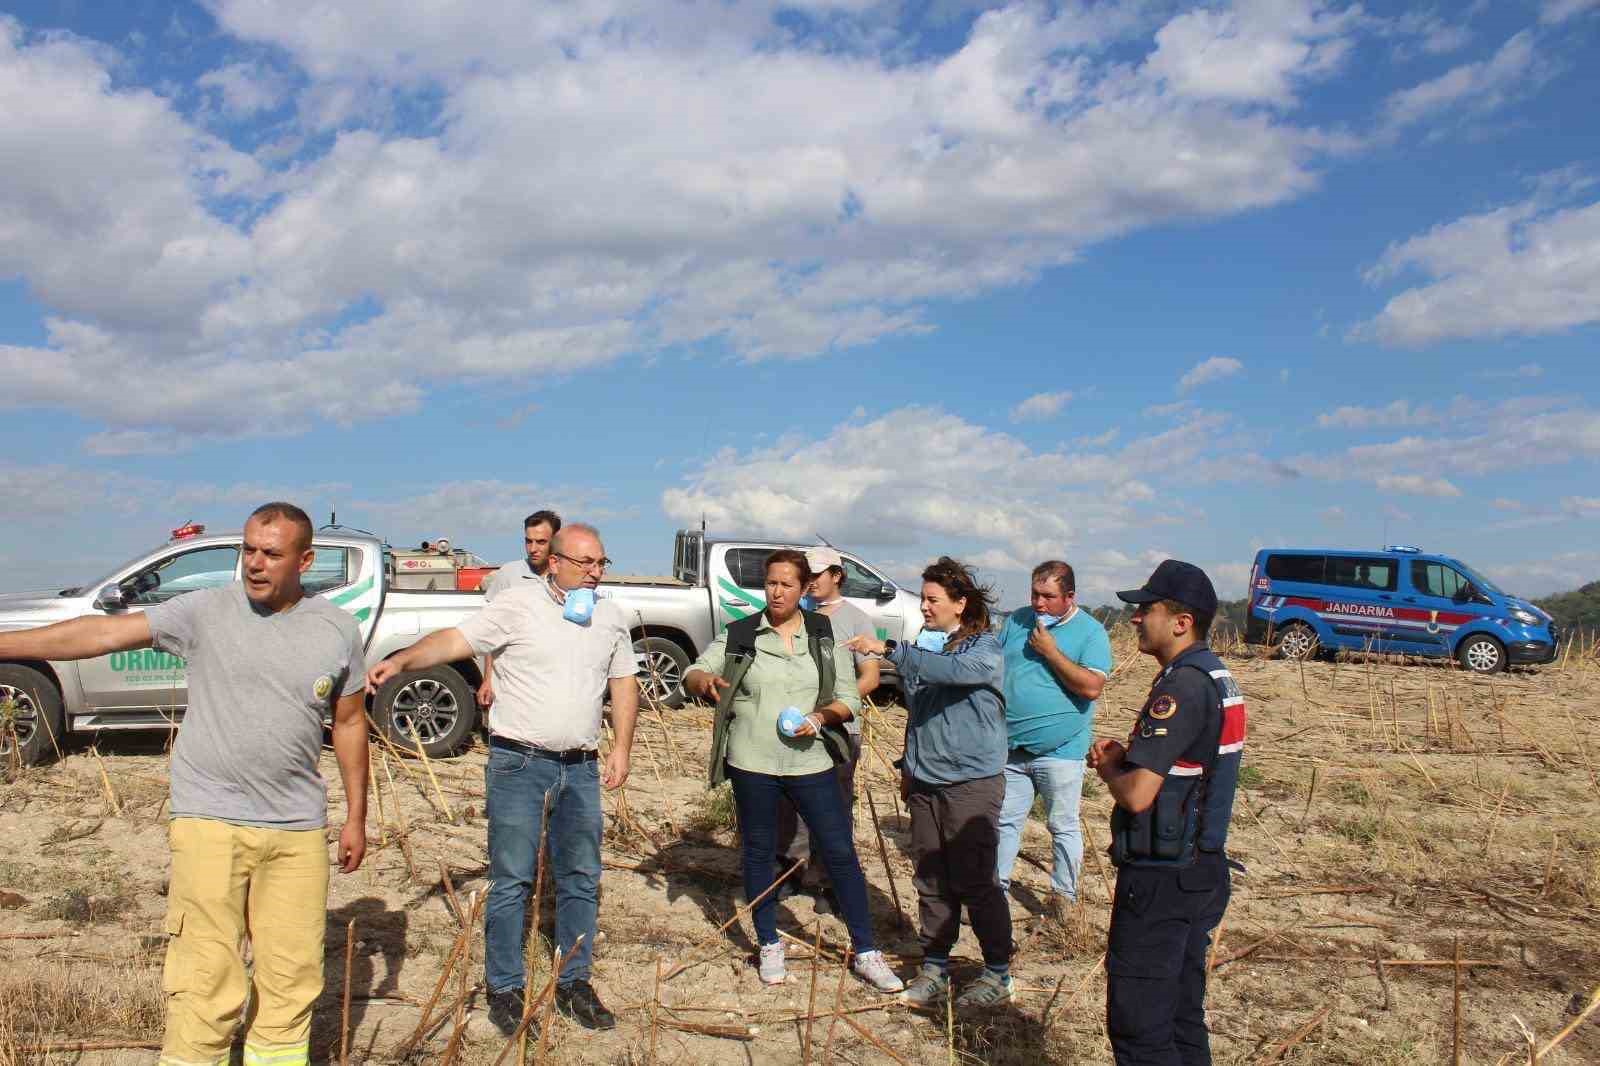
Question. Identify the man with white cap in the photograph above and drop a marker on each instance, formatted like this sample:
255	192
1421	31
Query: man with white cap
825	597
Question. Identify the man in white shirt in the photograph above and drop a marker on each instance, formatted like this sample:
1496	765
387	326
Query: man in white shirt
558	652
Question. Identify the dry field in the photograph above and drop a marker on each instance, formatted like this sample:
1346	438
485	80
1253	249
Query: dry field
1391	816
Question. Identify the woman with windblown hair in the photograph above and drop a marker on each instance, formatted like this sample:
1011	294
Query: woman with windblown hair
952	779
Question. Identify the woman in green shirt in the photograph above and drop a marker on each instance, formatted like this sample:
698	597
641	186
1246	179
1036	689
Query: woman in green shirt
783	669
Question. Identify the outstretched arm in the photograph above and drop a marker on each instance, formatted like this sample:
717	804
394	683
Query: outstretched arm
78	638
442	646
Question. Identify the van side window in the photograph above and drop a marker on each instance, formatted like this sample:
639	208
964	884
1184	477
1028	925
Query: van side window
1437	579
1358	572
1306	568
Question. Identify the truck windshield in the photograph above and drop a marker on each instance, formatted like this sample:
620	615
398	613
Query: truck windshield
1483	583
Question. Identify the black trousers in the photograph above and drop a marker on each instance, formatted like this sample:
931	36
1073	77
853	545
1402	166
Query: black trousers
1161	925
955	836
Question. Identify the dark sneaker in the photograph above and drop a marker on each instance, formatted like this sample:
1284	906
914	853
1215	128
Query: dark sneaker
505	1012
578	1002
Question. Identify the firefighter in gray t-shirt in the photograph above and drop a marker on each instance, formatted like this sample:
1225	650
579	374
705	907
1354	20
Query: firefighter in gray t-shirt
265	663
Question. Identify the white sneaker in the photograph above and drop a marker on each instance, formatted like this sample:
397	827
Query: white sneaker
772	968
873	968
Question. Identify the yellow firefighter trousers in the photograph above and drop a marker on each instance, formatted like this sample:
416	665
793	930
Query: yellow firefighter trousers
230	882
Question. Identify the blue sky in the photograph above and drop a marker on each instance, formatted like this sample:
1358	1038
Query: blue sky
1104	281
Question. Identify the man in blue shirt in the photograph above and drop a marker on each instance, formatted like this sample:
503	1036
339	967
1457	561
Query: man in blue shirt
1057	658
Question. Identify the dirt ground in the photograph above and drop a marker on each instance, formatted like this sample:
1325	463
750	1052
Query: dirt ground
1390	814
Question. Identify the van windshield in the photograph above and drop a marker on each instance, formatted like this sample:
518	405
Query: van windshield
1483	584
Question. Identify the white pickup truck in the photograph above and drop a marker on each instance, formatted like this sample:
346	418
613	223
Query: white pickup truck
713	583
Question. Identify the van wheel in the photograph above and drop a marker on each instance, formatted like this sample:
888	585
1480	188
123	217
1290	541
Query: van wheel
663	664
30	717
436	704
1481	654
1298	642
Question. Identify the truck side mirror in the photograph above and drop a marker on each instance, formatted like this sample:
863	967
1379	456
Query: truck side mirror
886	592
110	598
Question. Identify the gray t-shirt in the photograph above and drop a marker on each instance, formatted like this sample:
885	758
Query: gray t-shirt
851	621
508	576
259	687
550	675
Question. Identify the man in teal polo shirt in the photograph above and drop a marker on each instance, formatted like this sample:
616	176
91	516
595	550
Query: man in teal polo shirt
1057	659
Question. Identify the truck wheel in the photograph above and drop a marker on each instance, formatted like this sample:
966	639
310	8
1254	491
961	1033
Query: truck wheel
661	668
436	704
1298	641
1482	654
30	716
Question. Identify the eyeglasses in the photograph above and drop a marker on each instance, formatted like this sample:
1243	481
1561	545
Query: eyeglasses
598	565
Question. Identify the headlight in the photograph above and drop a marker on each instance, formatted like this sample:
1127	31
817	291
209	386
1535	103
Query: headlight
1527	618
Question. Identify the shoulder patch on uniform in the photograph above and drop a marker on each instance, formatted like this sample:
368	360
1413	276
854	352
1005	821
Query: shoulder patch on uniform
323	687
1163	708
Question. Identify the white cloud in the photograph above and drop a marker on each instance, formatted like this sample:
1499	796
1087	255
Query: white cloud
1502	503
1554	11
1398	413
1581	506
1417	485
1040	405
1553	430
1166	410
1332	515
1528	268
1546	574
246	89
1214	369
1484	86
720	180
922	479
1256	51
123	442
1431	34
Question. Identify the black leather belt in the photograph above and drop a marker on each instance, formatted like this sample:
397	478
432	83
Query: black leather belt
569	757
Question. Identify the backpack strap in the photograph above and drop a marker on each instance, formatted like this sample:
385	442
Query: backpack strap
819	634
742	634
818	626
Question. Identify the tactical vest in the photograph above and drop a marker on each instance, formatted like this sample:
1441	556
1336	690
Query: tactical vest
740	653
1192	810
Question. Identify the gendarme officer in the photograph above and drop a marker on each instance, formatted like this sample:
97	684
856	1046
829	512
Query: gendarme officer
1173	783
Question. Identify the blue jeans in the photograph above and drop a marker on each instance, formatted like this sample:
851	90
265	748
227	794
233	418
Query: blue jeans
1060	782
818	800
516	784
